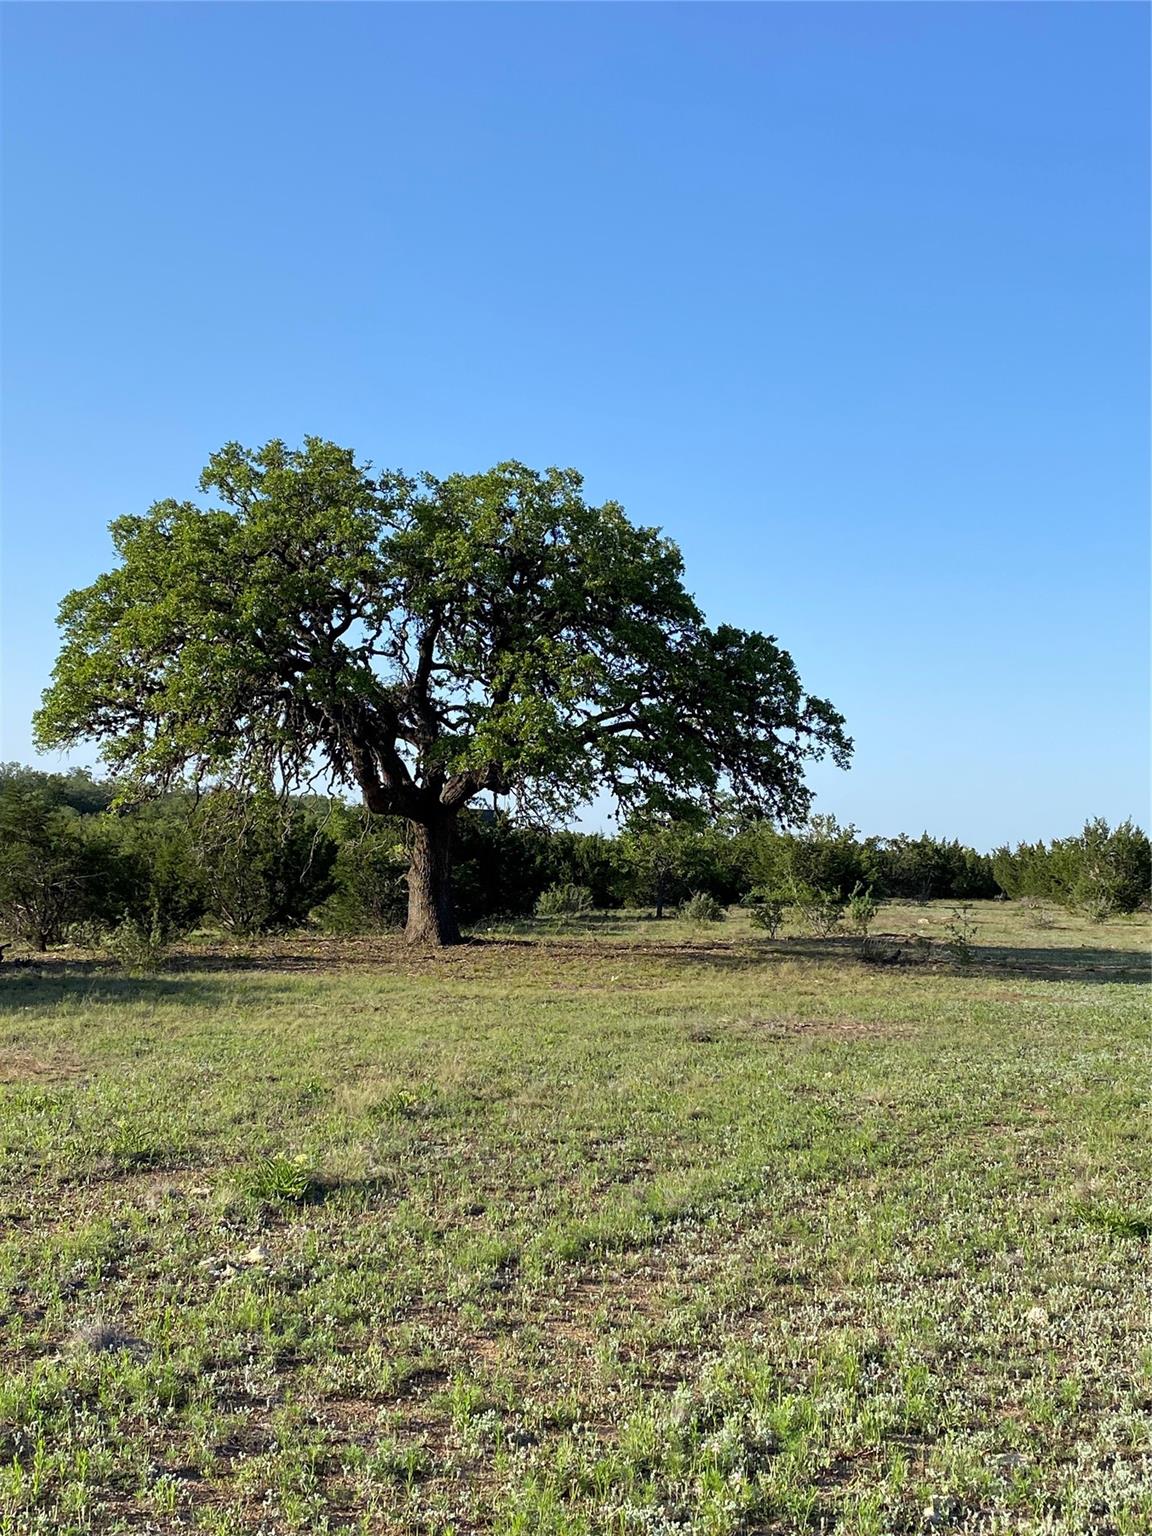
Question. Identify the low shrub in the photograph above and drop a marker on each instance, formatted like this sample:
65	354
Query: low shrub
564	901
766	909
702	908
821	911
961	932
862	909
138	946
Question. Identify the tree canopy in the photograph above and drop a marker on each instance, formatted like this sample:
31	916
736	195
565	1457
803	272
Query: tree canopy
424	640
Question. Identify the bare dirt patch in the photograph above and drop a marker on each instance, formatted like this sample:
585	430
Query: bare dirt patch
844	1028
24	1066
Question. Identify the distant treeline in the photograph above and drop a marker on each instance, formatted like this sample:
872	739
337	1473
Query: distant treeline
76	864
1102	871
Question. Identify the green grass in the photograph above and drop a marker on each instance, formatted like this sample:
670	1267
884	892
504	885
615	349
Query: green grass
629	1228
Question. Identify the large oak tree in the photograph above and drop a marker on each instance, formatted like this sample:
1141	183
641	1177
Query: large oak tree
425	641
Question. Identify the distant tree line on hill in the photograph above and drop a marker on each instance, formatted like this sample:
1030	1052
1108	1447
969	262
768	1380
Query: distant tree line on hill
77	864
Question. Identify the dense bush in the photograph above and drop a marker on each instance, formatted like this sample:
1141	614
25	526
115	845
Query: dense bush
822	856
1102	871
592	860
266	861
69	866
927	869
702	908
664	863
825	856
158	892
564	901
56	867
369	891
501	868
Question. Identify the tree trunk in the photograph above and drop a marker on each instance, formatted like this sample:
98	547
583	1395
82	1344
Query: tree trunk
431	914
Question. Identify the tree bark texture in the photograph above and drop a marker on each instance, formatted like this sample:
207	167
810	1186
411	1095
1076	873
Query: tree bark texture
431	913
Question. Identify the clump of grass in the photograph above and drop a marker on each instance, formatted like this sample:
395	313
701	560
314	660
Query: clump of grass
134	1146
281	1179
1038	915
102	1335
403	1103
1115	1219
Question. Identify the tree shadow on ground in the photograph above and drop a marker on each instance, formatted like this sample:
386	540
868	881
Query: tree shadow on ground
1093	965
207	975
901	953
1064	964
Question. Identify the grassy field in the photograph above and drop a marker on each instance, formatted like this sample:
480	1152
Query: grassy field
626	1228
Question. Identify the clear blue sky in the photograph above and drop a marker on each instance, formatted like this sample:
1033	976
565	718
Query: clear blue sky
852	300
